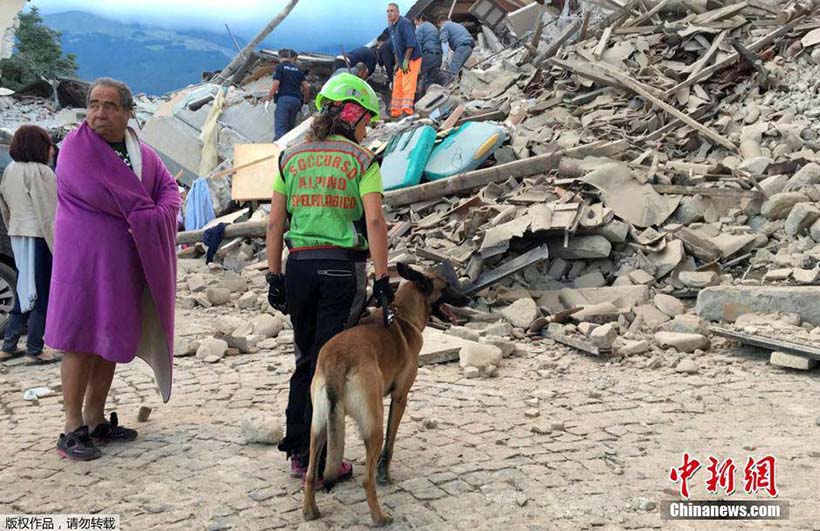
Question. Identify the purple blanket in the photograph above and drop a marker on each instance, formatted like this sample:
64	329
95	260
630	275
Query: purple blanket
114	236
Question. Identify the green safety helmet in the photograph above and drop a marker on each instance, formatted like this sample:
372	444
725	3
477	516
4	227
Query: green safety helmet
347	87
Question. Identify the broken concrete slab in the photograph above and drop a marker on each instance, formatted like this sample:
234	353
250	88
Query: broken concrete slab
521	313
439	347
626	296
581	248
212	348
726	303
629	347
686	324
792	361
668	259
603	336
806	276
650	316
636	203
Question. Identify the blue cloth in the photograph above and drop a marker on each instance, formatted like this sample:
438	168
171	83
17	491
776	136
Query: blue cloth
455	35
460	55
403	36
285	115
365	55
199	210
23	249
290	80
429	39
212	240
36	318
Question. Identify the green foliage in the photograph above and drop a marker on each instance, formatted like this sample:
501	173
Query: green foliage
38	54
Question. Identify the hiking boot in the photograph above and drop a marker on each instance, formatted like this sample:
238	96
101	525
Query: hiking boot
77	445
111	431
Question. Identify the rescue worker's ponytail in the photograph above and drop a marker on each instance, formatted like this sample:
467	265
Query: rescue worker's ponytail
321	127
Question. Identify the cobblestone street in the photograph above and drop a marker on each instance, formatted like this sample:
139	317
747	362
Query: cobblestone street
468	457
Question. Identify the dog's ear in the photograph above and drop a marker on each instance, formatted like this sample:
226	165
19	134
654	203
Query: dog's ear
424	284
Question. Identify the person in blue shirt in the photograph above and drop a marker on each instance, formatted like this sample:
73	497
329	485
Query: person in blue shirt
454	36
408	62
290	92
429	40
386	57
365	54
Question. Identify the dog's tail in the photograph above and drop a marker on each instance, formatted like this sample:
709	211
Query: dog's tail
333	402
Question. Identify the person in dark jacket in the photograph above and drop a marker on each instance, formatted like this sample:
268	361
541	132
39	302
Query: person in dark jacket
365	54
429	40
290	92
455	37
386	57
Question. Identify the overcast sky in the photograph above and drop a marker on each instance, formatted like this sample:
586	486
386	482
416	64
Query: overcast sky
212	14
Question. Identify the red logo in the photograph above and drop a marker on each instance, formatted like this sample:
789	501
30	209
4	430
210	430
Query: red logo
757	475
683	474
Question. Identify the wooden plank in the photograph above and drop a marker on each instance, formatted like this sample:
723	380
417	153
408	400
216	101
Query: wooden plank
558	42
255	167
696	67
731	59
602	43
791	347
248	229
649	14
474	179
454	117
704	19
706	192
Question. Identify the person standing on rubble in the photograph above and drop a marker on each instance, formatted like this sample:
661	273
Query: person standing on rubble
455	37
28	201
113	282
408	62
290	92
386	57
429	40
330	188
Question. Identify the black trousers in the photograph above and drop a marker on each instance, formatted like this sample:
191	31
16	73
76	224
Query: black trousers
324	298
36	318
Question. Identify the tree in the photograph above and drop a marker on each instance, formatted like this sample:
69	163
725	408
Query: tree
38	54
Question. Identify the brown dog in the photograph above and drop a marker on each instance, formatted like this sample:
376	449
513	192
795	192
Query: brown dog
360	366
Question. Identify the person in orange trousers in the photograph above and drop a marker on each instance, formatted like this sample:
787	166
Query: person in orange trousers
402	34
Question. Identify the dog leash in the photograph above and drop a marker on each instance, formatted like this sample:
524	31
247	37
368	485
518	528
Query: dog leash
388	315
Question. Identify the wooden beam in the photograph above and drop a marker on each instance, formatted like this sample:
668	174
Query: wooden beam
559	41
695	68
247	229
602	43
649	14
706	192
474	179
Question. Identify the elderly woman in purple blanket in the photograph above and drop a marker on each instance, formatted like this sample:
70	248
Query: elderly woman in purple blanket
114	274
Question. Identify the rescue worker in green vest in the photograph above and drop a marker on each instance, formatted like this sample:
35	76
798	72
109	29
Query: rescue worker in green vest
330	189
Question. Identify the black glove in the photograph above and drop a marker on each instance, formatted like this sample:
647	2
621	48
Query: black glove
382	291
277	296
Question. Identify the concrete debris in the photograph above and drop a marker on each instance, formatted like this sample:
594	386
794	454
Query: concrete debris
261	429
681	342
790	361
521	313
